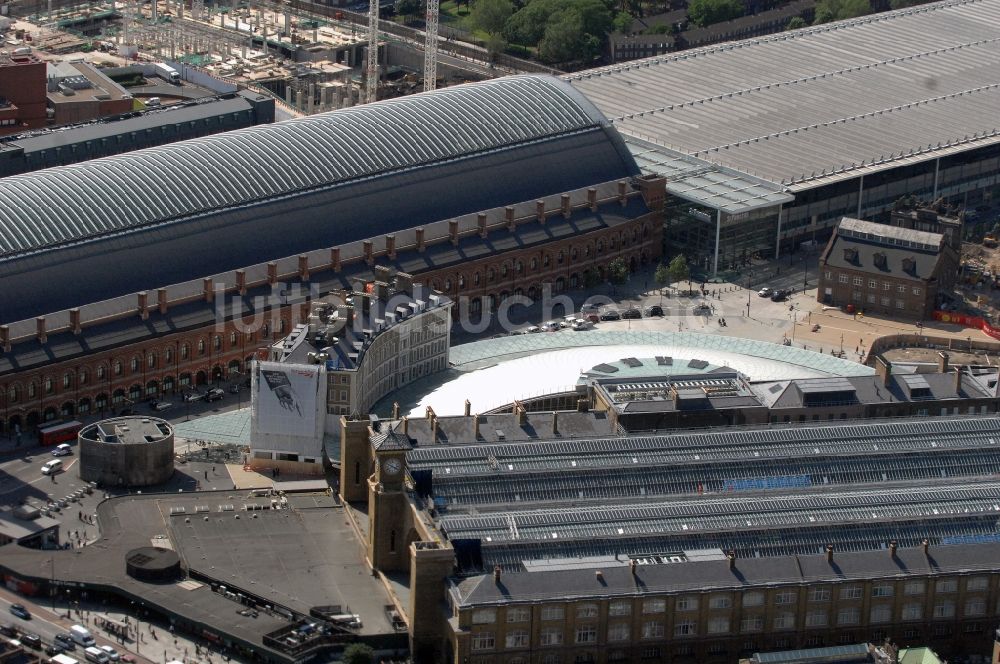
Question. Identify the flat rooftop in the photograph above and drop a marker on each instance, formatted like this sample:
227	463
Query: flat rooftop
128	430
821	104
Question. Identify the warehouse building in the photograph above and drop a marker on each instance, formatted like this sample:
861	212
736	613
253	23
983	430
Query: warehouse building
767	143
45	148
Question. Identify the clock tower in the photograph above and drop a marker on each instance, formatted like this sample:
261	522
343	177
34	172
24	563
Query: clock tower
388	506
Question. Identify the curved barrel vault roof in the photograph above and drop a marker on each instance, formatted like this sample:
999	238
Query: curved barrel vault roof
177	181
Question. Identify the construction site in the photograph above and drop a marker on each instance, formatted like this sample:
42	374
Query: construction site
310	58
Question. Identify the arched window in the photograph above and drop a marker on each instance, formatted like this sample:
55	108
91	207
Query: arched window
201	346
118	367
217	342
560	257
13	394
461	281
475	279
31	390
134	364
168	355
151	360
490	275
545	260
84	376
518	267
586	251
48	385
100	372
265	331
572	254
600	246
281	326
533	264
185	351
67	380
232	339
503	271
447	285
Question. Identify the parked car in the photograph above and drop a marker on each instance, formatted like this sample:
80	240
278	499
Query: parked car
551	326
7	629
764	292
779	296
31	640
193	396
533	329
580	324
62	449
631	313
160	406
654	310
214	394
610	314
593	318
54	649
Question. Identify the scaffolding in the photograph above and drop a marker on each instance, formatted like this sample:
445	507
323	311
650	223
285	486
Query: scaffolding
371	83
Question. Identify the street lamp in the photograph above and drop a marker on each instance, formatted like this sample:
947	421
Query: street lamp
749	291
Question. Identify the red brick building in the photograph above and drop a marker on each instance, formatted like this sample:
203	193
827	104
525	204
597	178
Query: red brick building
23	93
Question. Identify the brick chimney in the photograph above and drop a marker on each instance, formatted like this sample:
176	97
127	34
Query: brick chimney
522	414
161	300
926	544
883	369
481	220
142	304
406	425
555	423
829	553
420	239
395	410
5	338
272	273
390	246
468	407
567	206
540	211
622	192
40	329
303	267
335	258
592	199
368	248
453	231
241	281
893	545
943	362
508	215
206	289
958	381
475	426
731	558
74	320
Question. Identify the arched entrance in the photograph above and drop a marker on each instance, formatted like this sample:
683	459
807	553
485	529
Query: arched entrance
200	378
118	398
32	419
50	414
233	368
67	409
152	388
83	408
168	384
216	373
15	423
135	393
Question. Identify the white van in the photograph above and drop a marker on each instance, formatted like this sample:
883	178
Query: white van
96	655
82	636
52	467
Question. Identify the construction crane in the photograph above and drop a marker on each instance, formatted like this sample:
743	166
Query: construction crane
371	84
431	45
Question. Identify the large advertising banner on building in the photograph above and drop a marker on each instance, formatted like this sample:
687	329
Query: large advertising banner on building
286	399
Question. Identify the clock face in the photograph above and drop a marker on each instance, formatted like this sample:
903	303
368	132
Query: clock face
393	466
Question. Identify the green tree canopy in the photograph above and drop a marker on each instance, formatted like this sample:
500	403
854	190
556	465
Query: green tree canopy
617	271
491	16
662	275
622	22
795	23
837	10
530	24
408	8
678	269
359	653
707	12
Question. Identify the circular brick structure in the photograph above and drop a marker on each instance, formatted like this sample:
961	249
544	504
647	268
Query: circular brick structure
127	451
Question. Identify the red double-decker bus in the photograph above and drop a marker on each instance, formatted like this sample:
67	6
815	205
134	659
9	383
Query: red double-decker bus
61	432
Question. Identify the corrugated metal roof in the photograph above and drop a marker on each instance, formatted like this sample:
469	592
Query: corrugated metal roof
820	104
177	181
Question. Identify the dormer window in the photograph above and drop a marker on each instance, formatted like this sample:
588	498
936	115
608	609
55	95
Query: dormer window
881	261
851	255
909	266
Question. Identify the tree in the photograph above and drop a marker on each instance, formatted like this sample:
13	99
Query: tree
678	269
408	9
662	275
622	23
707	12
566	40
530	24
795	23
591	278
491	16
618	271
838	10
359	653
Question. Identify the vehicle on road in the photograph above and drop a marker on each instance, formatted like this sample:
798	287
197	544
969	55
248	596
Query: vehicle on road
234	388
214	394
160	406
127	658
580	324
96	655
610	314
631	313
19	611
51	468
7	629
654	310
53	649
764	292
31	640
65	641
60	432
702	310
551	326
193	396
533	329
62	658
779	295
62	450
112	653
82	636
